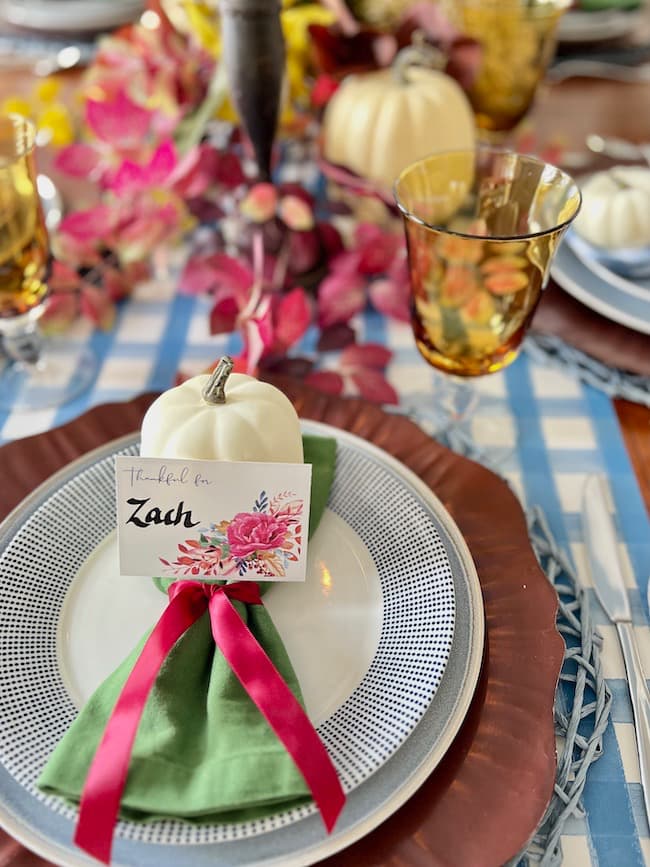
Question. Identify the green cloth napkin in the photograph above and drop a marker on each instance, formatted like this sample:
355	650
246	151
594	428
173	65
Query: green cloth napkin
203	751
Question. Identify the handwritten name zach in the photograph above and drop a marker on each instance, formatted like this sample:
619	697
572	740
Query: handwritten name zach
171	518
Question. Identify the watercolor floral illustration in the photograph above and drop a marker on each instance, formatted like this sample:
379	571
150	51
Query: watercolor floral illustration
262	542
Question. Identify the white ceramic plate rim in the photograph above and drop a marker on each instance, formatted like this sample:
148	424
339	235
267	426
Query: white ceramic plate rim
583	26
564	258
35	841
606	274
72	16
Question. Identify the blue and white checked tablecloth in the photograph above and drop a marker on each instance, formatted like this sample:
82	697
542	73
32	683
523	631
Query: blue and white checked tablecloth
559	430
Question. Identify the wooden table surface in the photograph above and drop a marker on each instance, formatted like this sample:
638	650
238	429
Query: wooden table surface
573	109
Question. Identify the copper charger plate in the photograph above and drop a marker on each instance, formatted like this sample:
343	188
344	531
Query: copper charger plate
485	799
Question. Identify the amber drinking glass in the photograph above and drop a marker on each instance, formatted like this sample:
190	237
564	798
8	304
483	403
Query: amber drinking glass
518	41
482	227
32	377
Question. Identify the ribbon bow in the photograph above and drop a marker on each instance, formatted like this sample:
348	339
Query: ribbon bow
102	793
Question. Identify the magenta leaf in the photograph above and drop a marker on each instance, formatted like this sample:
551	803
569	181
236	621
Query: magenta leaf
216	272
90	225
292	317
133	177
97	306
340	296
118	121
78	160
391	298
195	172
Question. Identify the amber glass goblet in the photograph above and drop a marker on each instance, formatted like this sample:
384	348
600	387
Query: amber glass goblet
482	228
518	41
34	375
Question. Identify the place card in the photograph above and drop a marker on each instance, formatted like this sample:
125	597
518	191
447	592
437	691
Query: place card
208	520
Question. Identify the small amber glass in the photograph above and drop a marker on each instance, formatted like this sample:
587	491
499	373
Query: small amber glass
482	227
518	41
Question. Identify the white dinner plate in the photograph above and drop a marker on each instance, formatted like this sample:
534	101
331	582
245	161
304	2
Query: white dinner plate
386	638
578	25
70	16
601	295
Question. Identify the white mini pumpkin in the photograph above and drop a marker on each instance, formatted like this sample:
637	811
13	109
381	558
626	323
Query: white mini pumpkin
223	416
616	208
378	123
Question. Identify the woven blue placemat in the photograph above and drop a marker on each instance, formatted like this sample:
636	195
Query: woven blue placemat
615	383
583	700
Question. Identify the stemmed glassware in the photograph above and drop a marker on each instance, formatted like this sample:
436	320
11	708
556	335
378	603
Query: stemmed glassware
517	40
33	376
482	227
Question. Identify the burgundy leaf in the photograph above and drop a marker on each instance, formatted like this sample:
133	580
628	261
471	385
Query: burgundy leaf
335	337
377	248
326	380
372	355
372	385
330	239
229	171
304	251
204	209
223	316
297	367
338	54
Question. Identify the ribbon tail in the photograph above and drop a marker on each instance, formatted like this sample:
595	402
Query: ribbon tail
102	792
275	701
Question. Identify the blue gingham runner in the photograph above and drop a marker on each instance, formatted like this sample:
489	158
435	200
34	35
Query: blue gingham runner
551	430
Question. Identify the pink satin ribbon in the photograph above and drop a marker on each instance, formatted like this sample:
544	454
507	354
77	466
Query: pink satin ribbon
102	793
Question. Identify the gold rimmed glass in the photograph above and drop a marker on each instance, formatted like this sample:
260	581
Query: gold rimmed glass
518	39
33	377
482	227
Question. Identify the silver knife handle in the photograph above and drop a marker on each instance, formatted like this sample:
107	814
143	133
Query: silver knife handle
640	703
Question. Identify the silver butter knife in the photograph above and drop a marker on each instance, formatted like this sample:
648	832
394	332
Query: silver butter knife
607	576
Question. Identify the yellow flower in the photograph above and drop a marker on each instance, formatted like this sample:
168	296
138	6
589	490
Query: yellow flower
17	105
51	117
56	119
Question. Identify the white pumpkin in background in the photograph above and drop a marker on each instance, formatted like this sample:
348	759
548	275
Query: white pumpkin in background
616	208
222	416
378	123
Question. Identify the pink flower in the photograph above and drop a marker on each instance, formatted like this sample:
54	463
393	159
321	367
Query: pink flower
255	531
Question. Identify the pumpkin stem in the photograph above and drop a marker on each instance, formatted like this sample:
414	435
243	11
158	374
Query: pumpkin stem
418	53
213	391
